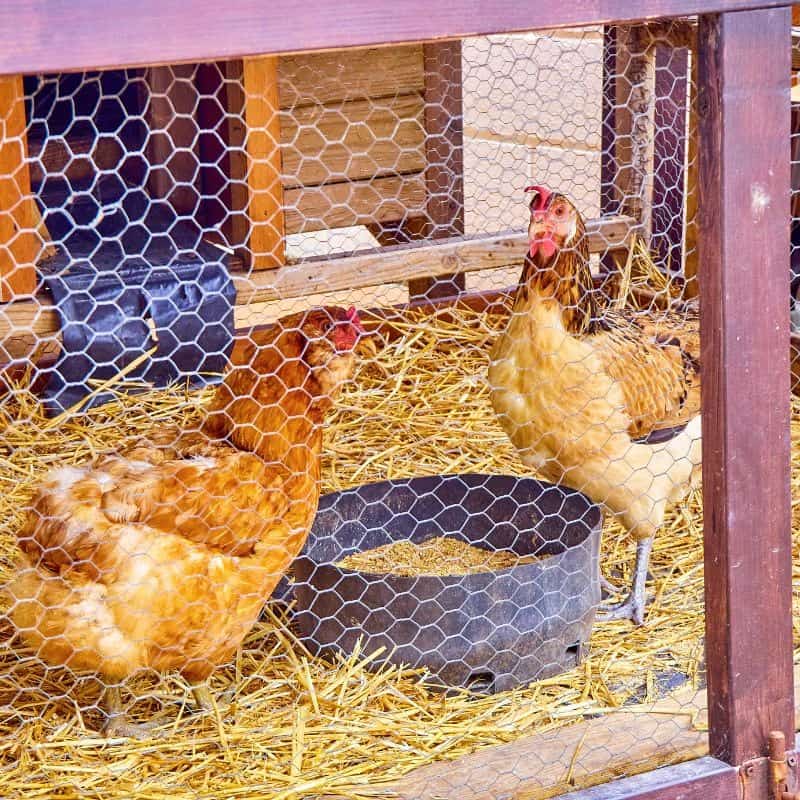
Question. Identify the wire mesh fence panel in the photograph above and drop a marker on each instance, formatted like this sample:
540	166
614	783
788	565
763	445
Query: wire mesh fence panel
275	523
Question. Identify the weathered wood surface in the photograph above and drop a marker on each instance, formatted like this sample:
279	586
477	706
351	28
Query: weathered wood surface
172	149
337	205
744	172
635	93
444	159
253	193
266	243
19	217
621	743
353	140
59	35
320	78
23	324
704	778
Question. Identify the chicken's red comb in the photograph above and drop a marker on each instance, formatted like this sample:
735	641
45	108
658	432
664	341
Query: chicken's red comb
352	315
542	191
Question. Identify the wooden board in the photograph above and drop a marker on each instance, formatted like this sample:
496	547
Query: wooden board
669	155
635	91
444	159
266	244
543	765
352	140
744	172
359	203
254	193
691	258
23	324
55	155
172	148
19	217
58	35
358	74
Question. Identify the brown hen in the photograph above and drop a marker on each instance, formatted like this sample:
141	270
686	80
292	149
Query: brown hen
162	556
575	390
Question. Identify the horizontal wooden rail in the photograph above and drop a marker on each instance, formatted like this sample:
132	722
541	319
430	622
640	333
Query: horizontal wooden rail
24	323
625	742
62	35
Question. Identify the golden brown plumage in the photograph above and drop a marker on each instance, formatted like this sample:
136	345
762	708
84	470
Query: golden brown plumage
574	389
656	359
162	556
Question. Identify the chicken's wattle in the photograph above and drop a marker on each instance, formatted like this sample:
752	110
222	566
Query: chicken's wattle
547	247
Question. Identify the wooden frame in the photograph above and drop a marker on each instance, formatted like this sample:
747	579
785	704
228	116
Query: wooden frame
256	199
70	36
402	263
744	171
19	216
744	60
444	157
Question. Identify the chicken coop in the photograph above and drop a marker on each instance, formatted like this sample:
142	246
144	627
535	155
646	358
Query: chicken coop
396	400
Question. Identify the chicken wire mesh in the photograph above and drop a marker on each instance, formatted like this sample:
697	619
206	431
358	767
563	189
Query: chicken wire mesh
168	582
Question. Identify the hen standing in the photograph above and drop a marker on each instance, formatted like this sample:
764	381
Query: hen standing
162	556
574	391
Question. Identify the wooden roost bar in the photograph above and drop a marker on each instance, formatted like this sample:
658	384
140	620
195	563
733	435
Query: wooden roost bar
255	62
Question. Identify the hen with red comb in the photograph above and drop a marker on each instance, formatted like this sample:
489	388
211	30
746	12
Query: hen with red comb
576	387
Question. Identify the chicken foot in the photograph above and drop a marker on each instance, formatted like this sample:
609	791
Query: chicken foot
202	696
117	723
632	607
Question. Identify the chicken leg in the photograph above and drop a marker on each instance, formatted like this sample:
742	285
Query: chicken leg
117	723
632	607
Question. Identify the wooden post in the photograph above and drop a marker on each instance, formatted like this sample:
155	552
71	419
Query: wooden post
172	150
609	199
19	217
444	149
669	149
256	194
635	89
744	245
691	254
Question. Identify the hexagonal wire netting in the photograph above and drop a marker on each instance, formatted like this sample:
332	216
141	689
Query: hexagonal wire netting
216	331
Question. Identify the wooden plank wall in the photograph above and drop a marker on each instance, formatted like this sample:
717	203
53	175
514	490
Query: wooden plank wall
351	128
352	136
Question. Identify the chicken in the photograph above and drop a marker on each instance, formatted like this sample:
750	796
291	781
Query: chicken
162	556
574	391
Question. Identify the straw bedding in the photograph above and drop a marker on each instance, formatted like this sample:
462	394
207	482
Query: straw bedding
288	725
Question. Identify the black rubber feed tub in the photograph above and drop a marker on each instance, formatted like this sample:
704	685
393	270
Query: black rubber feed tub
489	631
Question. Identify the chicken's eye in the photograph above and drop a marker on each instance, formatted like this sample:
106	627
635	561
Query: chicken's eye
560	212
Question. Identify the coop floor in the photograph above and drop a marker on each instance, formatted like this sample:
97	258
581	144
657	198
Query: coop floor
287	725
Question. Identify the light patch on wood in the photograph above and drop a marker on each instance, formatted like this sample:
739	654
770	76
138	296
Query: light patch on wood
759	201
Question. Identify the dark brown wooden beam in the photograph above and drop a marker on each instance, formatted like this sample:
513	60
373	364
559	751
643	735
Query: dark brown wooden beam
669	154
62	35
609	169
744	238
444	156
